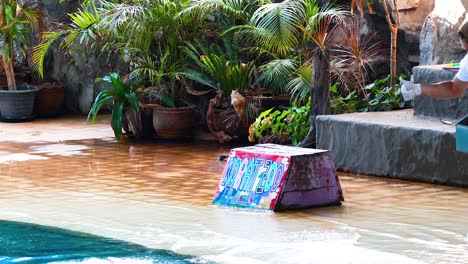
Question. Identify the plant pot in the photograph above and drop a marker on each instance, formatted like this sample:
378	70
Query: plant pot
49	99
174	123
267	102
17	105
138	125
226	120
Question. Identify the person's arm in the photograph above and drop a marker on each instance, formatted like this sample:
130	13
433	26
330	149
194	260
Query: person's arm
445	90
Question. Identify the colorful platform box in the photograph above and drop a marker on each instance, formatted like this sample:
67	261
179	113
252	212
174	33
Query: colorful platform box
277	177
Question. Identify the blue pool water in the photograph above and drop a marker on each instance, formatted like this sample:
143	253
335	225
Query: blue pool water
31	244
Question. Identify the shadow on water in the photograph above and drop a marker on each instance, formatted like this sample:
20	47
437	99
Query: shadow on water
31	244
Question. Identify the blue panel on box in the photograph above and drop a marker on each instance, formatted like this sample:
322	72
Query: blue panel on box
461	135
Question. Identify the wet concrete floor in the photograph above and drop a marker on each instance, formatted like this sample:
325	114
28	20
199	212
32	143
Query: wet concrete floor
70	174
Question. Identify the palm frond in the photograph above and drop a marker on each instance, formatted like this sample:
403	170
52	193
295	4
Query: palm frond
200	78
40	51
276	74
299	86
320	24
83	20
275	27
29	14
233	9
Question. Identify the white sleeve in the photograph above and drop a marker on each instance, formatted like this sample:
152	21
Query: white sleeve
462	74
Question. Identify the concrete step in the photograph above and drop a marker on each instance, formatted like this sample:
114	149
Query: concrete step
394	144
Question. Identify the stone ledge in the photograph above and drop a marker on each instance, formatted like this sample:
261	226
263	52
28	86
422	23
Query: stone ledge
394	144
426	106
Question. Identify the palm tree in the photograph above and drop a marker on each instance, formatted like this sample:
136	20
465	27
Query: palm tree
318	29
297	29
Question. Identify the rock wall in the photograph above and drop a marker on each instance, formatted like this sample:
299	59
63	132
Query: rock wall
78	73
439	39
79	70
413	13
412	16
57	10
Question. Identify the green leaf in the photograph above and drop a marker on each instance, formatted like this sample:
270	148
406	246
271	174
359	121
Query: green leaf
167	100
117	82
117	113
8	13
102	98
132	98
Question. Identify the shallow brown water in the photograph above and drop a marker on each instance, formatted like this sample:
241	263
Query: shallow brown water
70	174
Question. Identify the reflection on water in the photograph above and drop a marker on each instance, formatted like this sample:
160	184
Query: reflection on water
61	149
159	194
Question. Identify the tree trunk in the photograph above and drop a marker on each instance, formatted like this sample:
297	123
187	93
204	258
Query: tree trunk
319	92
393	55
9	73
394	27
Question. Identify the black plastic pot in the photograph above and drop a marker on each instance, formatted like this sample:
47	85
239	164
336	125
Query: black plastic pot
17	105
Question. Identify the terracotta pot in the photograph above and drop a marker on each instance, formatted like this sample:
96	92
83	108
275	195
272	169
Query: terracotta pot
174	123
50	99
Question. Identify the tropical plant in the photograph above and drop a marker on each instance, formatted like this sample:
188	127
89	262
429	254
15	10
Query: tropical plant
281	126
217	72
378	97
122	95
287	76
18	20
121	27
158	56
275	28
352	56
227	12
229	112
297	29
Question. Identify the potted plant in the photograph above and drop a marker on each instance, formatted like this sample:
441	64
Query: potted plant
17	21
229	111
124	102
163	99
156	57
